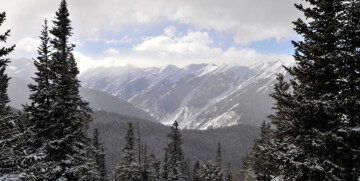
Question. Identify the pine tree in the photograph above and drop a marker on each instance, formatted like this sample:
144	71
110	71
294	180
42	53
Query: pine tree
128	168
263	164
348	69
154	169
11	152
196	171
174	162
99	155
150	167
165	170
228	173
313	111
64	131
38	115
210	171
218	156
4	79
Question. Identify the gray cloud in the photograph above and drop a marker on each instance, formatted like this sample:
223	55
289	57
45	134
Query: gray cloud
246	20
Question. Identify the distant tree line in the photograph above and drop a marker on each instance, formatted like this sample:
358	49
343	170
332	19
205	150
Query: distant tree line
315	131
137	164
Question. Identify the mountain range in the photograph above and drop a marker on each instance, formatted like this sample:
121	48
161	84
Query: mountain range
198	96
21	71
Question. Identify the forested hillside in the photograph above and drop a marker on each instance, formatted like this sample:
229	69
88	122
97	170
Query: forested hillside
198	145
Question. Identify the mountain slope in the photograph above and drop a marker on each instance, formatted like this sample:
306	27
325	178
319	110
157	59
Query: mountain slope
19	94
198	96
197	144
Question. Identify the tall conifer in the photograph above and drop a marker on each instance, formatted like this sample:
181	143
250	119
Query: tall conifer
10	136
65	128
175	164
128	168
314	110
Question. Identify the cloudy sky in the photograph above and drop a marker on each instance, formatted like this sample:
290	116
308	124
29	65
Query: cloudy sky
159	32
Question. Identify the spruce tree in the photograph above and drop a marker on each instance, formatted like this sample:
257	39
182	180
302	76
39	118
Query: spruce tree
128	168
196	171
210	171
175	164
314	113
4	79
153	169
99	155
165	170
228	173
11	152
38	111
263	164
65	130
218	155
348	69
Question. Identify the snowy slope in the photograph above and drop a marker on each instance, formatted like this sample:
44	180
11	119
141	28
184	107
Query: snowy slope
23	69
198	96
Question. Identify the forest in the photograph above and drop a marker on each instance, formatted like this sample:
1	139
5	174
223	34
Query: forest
313	134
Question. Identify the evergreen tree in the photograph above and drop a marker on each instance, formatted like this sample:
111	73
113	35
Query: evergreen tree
4	79
210	171
316	122
99	155
218	155
348	70
228	173
128	168
175	165
154	169
63	127
165	170
263	163
38	115
196	171
247	172
11	151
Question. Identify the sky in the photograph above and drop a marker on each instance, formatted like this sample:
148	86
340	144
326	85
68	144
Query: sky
147	33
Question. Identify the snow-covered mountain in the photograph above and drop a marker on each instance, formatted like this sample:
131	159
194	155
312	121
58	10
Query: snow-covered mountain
198	96
20	71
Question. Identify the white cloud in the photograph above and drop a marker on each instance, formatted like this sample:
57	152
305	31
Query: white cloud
125	39
111	51
251	56
245	20
170	31
194	43
28	44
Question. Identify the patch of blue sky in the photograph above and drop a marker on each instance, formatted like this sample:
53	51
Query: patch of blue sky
272	46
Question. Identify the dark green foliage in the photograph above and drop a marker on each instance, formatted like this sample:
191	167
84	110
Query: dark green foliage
196	171
58	117
175	163
149	167
99	155
4	79
38	116
228	173
198	144
218	155
210	171
317	115
128	168
260	163
10	133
